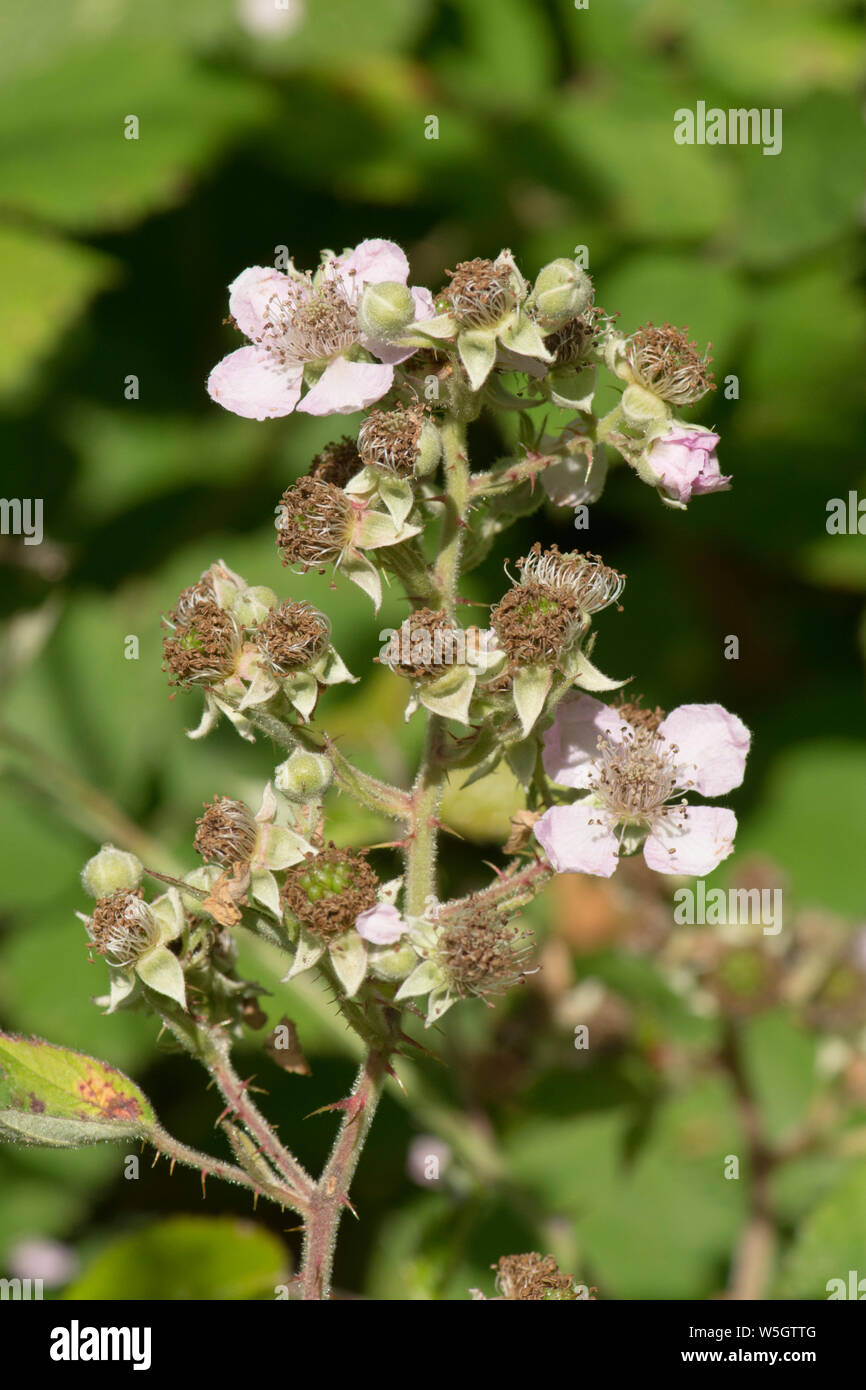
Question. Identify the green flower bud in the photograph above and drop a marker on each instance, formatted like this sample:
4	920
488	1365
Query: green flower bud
111	871
253	605
304	776
641	408
562	291
385	309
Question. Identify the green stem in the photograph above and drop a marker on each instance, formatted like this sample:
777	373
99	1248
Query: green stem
165	1143
375	795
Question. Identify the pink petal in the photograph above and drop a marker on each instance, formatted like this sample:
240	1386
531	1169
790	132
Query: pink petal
382	925
571	744
248	383
371	263
345	387
250	294
691	841
576	842
712	746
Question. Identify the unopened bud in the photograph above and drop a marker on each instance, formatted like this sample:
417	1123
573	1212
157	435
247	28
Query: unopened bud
253	605
562	291
429	450
385	309
111	871
304	776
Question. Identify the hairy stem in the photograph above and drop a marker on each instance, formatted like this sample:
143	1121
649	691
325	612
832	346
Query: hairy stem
375	795
165	1143
215	1057
331	1194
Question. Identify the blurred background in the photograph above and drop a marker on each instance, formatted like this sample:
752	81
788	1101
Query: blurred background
304	126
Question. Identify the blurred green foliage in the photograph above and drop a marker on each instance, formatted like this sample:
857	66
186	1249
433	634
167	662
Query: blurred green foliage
555	130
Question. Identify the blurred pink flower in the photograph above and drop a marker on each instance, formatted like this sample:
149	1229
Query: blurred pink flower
295	321
684	461
636	776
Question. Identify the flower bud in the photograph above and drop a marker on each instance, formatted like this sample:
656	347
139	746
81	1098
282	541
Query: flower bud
562	291
641	408
304	776
111	871
385	309
253	605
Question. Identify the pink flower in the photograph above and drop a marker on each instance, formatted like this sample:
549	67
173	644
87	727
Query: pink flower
381	925
683	459
296	321
636	775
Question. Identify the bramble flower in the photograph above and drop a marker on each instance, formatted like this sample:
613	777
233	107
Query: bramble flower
681	462
442	661
477	952
244	648
542	620
133	937
229	834
321	525
483	307
381	925
664	362
635	770
305	329
324	899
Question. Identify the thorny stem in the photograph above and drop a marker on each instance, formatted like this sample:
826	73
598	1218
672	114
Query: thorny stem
165	1143
215	1057
331	1193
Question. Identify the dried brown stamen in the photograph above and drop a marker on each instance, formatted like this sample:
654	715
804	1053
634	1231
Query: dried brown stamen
481	953
227	833
593	584
389	439
664	361
204	643
316	521
532	1278
122	927
425	644
337	462
535	623
480	293
292	636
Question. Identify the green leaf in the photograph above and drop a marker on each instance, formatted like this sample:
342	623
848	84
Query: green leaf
44	284
531	684
64	156
779	1057
187	1257
59	1098
160	970
830	1241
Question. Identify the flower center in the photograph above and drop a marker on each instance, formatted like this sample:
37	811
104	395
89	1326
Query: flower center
123	928
310	325
637	777
480	293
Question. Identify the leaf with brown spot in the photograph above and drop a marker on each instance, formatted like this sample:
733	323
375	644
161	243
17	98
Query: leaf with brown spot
56	1097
